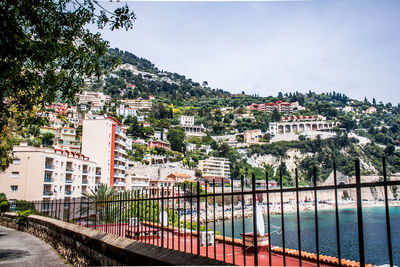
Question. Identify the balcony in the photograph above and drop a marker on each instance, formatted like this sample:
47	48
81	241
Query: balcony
119	184
121	167
140	184
120	158
69	169
68	181
120	150
98	173
48	179
85	171
120	142
49	166
68	193
47	194
121	134
85	181
120	175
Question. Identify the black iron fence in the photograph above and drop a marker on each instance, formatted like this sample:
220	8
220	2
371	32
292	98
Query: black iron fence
185	218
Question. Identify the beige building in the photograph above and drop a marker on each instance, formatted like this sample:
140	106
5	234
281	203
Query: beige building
64	138
46	173
105	142
215	167
252	136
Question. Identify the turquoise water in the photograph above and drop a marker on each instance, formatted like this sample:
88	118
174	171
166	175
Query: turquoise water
375	236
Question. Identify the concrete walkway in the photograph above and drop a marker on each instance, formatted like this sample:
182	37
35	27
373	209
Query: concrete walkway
22	249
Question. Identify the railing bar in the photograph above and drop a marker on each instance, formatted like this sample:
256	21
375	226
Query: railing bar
87	215
282	218
106	207
198	217
69	210
179	220
233	226
141	215
223	218
206	204
243	224
158	216
316	214
184	218
168	201
120	213
59	209
255	234
173	218
337	217
162	216
359	216
298	217
388	230
215	245
268	220
191	218
95	212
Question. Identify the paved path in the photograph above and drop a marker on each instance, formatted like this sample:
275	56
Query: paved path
22	249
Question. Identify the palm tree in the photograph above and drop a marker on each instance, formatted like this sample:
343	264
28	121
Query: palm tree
98	202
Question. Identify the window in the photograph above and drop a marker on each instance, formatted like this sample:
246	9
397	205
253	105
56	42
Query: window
16	161
14	188
15	174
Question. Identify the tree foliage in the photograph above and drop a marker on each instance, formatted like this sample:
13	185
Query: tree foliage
46	51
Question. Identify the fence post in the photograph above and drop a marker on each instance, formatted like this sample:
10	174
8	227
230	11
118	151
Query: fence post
337	216
298	216
388	231
359	215
120	213
253	183
198	218
316	213
282	218
162	216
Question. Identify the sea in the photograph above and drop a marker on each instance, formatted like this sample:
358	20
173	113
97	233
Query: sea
374	223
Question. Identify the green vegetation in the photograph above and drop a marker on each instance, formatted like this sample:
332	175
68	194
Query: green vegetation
4	204
46	52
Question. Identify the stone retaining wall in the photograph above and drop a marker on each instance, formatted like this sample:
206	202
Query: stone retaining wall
83	246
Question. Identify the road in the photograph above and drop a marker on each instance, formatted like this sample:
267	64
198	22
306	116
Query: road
22	249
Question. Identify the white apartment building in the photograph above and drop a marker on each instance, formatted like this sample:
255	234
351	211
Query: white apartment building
135	182
137	103
46	173
215	167
276	128
96	99
93	97
105	142
125	111
186	120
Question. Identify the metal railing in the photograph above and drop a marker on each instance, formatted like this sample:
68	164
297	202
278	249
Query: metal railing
184	218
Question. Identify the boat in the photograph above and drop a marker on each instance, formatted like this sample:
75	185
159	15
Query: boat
262	237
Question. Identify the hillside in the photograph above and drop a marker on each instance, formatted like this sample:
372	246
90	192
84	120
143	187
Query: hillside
366	130
138	77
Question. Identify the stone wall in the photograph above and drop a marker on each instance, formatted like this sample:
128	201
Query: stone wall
83	246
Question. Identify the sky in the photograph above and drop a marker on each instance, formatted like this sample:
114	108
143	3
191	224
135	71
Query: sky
266	47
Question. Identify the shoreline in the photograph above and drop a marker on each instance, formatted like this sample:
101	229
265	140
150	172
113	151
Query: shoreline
275	209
